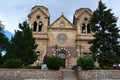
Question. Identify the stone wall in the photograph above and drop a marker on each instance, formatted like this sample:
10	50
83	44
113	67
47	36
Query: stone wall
99	75
37	74
29	74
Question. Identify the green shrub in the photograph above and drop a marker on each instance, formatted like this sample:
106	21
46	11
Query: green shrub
1	66
12	63
54	62
86	63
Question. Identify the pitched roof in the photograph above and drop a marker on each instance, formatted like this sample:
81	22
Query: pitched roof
43	9
80	11
62	16
39	6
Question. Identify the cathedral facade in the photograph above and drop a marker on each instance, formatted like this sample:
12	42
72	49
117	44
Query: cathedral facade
61	38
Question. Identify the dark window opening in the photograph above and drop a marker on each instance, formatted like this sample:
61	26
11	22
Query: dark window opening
83	28
40	27
87	54
38	17
63	56
35	26
38	52
85	19
88	28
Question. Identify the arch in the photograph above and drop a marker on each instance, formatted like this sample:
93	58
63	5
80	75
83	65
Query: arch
83	28
40	26
88	28
62	55
35	26
38	52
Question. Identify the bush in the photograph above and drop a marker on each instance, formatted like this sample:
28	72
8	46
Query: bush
54	62
1	66
86	63
12	63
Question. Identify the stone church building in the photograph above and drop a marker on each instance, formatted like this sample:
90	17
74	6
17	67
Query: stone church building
61	38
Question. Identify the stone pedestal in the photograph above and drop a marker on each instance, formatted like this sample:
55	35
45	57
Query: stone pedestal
60	74
79	73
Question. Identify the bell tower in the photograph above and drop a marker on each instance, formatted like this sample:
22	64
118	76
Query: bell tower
81	20
39	21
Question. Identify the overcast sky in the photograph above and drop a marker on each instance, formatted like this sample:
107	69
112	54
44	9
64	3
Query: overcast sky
13	12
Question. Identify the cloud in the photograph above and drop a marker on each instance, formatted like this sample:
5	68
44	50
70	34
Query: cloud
7	22
13	12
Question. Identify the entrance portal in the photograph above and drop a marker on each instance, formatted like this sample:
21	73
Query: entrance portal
62	55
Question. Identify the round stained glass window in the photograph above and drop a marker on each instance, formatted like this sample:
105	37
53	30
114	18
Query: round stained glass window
61	38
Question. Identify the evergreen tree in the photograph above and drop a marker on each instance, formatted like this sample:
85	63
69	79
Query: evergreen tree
1	58
22	45
105	48
1	26
3	41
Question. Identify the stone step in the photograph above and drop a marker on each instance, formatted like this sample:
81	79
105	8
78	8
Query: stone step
69	75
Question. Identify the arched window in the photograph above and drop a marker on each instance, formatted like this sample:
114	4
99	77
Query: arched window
38	52
35	26
88	28
83	28
38	17
62	55
40	27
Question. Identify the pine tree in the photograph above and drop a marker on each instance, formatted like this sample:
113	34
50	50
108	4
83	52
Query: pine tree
22	45
105	48
3	41
1	26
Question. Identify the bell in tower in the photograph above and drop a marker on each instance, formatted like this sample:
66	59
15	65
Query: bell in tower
81	20
39	19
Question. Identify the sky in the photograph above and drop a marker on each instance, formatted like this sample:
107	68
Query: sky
13	12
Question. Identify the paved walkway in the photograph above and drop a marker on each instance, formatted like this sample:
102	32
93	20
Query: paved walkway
69	74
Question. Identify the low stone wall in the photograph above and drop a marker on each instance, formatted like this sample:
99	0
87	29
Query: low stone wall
37	74
99	75
29	74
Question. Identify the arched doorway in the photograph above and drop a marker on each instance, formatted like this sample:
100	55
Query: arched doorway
63	56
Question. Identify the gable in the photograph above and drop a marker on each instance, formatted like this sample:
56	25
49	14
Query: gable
37	10
82	11
62	22
85	14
